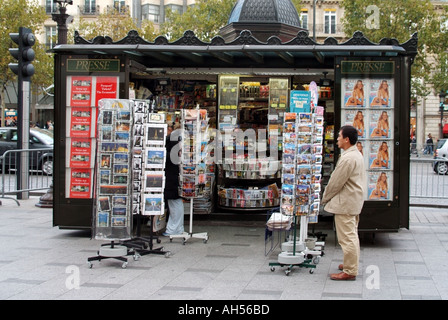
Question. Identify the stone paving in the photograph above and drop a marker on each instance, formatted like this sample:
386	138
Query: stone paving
39	261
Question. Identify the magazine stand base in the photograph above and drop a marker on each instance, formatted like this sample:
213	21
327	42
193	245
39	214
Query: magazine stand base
111	251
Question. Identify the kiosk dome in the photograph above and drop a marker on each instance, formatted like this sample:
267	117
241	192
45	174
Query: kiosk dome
264	18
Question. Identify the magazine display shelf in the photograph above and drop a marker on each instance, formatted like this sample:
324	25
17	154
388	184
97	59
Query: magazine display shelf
194	158
247	107
300	194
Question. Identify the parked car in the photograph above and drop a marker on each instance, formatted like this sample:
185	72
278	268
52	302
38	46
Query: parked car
39	139
440	164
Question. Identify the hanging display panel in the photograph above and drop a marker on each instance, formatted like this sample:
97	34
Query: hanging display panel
83	95
367	103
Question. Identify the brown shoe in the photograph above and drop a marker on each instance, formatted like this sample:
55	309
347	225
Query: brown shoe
341	267
342	276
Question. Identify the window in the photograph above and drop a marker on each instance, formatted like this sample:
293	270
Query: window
120	5
50	37
175	8
3	135
304	18
151	12
330	21
90	6
50	7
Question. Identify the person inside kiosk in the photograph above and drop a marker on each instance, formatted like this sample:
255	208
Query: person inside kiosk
175	223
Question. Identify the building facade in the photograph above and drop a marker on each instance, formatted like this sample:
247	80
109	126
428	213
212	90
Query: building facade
321	17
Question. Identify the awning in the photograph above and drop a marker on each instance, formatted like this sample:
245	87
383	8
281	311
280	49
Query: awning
445	129
244	51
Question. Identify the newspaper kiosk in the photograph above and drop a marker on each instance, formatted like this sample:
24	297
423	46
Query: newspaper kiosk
91	70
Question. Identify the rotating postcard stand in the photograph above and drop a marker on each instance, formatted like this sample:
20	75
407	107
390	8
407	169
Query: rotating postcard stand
112	220
301	175
193	160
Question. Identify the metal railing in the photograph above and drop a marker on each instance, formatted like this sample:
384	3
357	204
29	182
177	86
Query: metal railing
37	178
426	184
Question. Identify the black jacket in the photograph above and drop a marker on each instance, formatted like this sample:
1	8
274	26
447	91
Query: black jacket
171	172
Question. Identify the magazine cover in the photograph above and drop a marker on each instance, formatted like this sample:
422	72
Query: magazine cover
354	93
381	93
380	154
381	124
379	185
357	118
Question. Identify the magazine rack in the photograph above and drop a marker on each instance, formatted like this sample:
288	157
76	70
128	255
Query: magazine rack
194	156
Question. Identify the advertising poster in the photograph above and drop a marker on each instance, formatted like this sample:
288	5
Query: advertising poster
380	124
367	104
379	185
357	118
300	101
380	95
80	153
81	91
80	122
106	88
80	183
353	93
380	155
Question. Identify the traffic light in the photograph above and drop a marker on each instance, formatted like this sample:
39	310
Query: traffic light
24	53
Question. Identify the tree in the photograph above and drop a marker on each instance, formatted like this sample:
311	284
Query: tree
399	19
113	23
205	19
30	14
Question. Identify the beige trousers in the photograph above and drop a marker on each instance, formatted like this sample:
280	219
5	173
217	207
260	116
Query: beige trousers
347	233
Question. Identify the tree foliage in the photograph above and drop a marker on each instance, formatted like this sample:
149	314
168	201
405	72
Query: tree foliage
30	14
399	19
113	23
205	19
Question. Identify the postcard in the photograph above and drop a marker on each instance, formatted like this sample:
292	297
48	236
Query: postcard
154	181
155	157
155	134
153	204
102	219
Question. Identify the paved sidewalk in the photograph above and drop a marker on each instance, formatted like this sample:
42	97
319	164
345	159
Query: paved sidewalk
39	261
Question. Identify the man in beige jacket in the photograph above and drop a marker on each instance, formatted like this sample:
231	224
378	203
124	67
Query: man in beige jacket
344	197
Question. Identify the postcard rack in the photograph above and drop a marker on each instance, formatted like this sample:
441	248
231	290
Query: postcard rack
300	193
112	219
194	159
148	177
